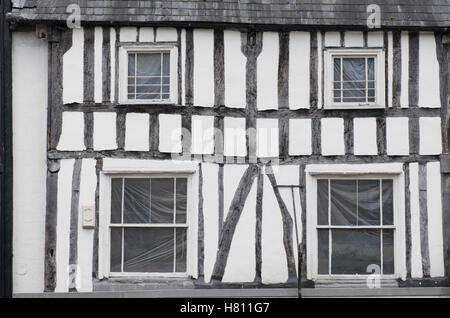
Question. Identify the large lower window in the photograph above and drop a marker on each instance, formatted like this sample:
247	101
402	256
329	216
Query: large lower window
355	226
148	225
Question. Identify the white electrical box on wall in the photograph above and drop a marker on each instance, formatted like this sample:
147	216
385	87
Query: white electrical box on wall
88	216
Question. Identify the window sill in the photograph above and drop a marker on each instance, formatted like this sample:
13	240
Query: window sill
346	107
141	284
354	283
145	102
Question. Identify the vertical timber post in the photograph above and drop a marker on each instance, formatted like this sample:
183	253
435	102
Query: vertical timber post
6	218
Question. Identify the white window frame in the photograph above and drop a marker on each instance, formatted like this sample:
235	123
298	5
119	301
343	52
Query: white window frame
392	171
379	56
119	168
123	72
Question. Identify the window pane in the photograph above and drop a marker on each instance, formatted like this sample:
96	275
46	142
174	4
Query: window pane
371	68
166	64
388	202
148	96
166	89
148	250
131	64
355	85
322	202
368	202
354	69
354	250
148	64
116	249
337	69
343	202
323	253
156	80
180	265
388	251
116	200
162	201
181	200
148	89
136	200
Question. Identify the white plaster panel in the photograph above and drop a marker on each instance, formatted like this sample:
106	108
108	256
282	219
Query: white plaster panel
429	95
267	141
397	136
434	208
299	73
73	67
166	35
146	34
289	175
286	174
72	133
404	97
128	34
300	137
274	265
390	76
104	131
202	134
137	132
365	136
211	215
170	133
88	184
98	74
241	261
267	72
333	136
234	137
183	66
354	39
204	67
375	39
29	137
430	136
416	254
232	174
320	64
332	39
235	70
64	200
112	40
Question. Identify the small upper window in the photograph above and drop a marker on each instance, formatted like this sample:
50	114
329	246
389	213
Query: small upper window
354	79
147	75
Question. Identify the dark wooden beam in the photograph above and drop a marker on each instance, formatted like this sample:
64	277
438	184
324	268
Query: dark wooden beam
6	219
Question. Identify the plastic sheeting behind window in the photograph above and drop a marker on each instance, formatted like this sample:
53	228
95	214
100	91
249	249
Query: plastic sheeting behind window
355	203
158	203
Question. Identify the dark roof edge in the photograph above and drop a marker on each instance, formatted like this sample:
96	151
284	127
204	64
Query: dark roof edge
20	20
